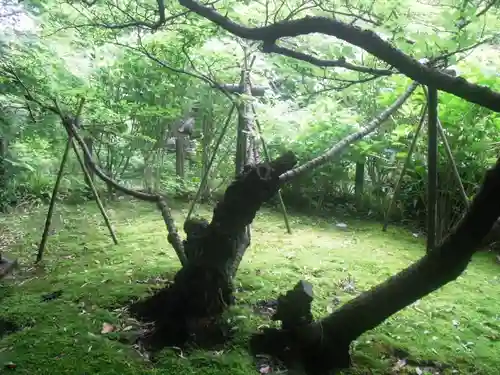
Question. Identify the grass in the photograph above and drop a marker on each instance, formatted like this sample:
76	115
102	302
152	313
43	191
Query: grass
458	325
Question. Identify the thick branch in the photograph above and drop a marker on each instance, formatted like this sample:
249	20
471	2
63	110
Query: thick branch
323	346
344	143
365	39
437	268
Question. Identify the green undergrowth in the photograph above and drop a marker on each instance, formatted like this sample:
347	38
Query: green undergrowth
459	325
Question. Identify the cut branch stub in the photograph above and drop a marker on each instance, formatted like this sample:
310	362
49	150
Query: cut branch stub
294	308
254	186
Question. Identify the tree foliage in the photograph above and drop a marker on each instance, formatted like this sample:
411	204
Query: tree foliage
141	66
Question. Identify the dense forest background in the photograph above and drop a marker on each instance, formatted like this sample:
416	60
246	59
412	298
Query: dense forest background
140	77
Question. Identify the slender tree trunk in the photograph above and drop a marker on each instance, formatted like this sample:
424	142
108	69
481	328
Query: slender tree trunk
432	166
359	181
3	164
205	156
89	141
180	156
246	152
109	169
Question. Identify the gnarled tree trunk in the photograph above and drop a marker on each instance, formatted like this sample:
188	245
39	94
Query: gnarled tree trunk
202	289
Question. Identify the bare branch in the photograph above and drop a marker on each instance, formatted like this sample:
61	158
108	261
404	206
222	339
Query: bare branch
365	39
145	52
462	25
345	142
271	47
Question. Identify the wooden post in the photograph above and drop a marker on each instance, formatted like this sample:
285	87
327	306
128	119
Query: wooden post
179	155
359	181
432	164
48	219
92	187
405	166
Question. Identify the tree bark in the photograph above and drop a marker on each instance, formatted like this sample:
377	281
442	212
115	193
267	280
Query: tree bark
202	289
432	167
180	156
359	181
323	346
89	141
246	153
3	164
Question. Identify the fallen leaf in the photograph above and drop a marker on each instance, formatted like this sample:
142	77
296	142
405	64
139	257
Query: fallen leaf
10	365
107	328
265	369
399	365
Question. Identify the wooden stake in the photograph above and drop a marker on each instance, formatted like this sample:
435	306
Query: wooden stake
48	220
405	167
89	181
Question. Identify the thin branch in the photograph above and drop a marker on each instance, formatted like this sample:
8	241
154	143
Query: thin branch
272	47
162	19
71	123
482	12
163	64
447	55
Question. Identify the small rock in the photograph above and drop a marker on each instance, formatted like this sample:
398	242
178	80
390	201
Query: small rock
107	328
341	225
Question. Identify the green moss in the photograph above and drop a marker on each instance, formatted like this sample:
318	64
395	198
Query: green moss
63	336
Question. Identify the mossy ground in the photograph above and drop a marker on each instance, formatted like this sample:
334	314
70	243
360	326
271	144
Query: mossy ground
458	325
